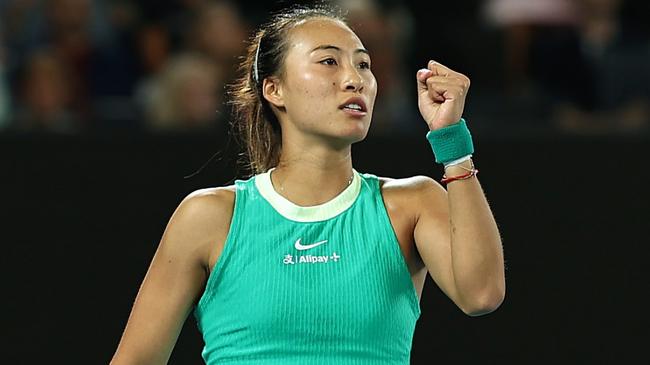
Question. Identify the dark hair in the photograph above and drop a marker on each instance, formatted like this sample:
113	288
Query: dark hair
253	119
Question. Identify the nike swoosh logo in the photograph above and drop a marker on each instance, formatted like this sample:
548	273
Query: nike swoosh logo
307	247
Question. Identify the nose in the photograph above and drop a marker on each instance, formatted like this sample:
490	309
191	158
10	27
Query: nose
352	80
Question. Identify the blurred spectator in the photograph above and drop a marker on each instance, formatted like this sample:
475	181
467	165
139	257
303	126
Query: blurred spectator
71	25
212	36
388	37
579	60
45	97
512	12
600	83
103	69
185	96
555	56
154	51
82	36
521	21
219	32
112	67
153	48
177	17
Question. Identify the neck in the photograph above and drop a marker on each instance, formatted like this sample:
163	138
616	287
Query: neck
312	174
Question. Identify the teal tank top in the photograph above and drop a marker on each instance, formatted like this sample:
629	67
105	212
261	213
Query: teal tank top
318	285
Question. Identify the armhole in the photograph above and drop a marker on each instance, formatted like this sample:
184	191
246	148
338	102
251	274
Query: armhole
226	251
397	250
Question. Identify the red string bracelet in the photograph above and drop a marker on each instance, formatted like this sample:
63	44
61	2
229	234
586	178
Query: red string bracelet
446	180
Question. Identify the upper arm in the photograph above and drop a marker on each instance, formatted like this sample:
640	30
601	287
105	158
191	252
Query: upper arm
432	234
175	278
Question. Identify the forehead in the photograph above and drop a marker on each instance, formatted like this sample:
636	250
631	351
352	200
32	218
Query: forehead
311	33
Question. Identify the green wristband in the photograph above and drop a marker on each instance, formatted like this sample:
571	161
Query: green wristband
451	142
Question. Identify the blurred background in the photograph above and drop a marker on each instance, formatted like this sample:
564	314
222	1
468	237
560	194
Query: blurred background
111	111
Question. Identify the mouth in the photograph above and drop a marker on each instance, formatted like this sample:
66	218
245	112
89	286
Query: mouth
354	107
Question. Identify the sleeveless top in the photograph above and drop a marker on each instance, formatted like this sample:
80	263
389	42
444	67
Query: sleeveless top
317	285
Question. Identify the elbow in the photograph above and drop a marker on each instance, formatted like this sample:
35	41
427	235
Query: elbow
485	304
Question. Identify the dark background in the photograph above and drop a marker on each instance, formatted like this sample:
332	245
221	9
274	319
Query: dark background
560	141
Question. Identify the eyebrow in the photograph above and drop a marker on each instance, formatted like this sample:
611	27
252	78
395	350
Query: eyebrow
329	46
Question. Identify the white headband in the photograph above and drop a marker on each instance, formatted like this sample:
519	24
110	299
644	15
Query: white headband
257	55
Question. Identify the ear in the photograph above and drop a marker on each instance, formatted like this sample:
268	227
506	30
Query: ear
272	91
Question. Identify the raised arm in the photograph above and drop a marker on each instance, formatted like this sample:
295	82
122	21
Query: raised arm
176	277
456	234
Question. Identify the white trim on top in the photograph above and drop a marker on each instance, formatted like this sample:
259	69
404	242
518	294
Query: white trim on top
315	213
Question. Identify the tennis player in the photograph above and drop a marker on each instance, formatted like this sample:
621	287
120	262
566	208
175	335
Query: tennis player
308	261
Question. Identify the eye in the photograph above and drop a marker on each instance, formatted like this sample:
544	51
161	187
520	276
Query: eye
364	65
328	61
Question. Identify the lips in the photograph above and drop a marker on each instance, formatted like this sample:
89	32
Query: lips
355	100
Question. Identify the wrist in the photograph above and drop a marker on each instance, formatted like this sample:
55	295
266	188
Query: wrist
459	168
460	171
451	143
457	161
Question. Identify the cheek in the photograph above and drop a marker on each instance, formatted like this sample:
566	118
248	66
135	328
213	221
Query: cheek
372	91
314	91
316	86
373	84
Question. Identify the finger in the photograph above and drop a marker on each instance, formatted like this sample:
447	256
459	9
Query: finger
442	92
438	82
439	69
436	91
423	74
424	77
449	80
421	77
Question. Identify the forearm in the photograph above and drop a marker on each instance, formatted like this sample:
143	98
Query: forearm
476	250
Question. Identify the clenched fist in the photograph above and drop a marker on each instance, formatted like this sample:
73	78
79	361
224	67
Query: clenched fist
441	95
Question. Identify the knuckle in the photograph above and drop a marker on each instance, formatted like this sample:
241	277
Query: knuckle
464	83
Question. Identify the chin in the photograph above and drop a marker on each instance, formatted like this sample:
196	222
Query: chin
355	134
345	138
346	133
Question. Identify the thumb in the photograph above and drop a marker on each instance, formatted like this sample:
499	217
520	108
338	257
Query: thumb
422	75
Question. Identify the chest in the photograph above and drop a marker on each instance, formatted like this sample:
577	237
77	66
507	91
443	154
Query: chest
342	270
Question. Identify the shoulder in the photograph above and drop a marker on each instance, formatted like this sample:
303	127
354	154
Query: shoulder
412	193
200	219
205	208
210	200
413	186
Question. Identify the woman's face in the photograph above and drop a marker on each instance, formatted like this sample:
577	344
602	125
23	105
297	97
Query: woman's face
326	67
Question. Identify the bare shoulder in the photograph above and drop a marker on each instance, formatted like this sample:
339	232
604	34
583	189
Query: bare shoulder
209	205
411	187
412	194
209	201
202	220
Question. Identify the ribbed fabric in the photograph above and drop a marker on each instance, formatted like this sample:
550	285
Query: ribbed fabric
349	300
